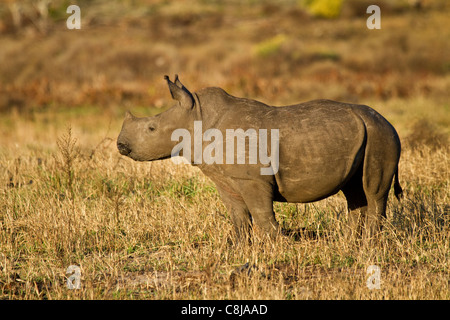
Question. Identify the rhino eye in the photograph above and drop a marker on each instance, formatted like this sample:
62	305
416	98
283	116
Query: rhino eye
151	128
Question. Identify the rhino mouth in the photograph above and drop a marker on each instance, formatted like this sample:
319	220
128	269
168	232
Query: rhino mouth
123	148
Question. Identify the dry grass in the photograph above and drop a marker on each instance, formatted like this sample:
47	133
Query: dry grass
159	231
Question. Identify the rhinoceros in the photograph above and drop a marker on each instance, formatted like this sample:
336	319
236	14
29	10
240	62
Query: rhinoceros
322	147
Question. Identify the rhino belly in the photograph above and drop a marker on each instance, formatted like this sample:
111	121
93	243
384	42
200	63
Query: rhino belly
318	156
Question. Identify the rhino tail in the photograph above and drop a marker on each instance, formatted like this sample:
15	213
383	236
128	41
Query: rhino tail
398	191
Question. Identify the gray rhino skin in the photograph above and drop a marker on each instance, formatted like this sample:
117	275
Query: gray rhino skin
324	146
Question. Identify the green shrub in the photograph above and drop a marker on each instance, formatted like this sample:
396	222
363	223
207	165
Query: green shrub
270	46
323	8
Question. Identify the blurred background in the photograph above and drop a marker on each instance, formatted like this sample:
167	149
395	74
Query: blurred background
158	230
280	52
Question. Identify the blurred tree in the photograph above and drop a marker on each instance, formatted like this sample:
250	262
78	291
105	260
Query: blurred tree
34	11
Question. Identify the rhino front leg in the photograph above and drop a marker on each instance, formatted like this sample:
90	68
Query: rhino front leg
258	195
238	211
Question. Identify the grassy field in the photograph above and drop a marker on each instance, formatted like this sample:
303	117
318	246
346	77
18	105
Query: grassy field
160	231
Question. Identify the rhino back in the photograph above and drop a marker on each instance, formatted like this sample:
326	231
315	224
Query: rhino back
320	142
321	146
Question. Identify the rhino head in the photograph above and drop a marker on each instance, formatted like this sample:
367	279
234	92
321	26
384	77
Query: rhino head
149	138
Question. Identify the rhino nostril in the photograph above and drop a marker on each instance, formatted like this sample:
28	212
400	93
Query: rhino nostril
123	148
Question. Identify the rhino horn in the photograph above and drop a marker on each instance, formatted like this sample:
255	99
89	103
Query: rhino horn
180	93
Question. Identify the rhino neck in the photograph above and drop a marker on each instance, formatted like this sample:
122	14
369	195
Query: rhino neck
211	105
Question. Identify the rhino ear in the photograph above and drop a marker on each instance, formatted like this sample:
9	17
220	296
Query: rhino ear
178	82
129	116
180	93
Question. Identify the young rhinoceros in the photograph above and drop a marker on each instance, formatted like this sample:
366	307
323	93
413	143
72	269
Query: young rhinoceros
321	147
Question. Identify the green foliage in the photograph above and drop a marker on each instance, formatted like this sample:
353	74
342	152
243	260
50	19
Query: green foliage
270	46
323	8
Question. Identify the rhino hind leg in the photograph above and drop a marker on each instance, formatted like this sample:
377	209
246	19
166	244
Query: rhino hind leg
356	204
378	174
376	211
366	203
